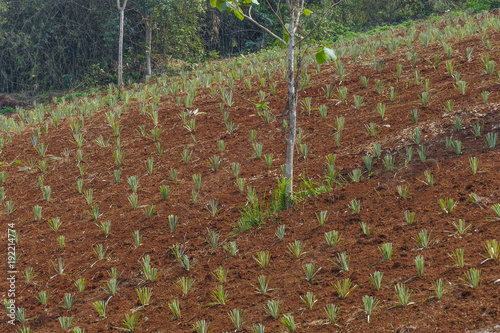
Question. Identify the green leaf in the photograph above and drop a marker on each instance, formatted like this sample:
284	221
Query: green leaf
324	54
220	4
238	14
330	54
320	56
307	12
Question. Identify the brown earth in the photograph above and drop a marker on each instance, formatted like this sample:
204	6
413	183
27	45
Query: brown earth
461	309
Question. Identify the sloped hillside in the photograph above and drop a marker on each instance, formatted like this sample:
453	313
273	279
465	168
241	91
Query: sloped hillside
171	190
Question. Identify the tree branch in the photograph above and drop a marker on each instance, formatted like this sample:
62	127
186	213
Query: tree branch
281	40
319	22
279	17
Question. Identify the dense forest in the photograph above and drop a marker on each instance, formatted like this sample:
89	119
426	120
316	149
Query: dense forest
61	44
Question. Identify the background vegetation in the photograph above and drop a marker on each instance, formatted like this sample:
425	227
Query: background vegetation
61	44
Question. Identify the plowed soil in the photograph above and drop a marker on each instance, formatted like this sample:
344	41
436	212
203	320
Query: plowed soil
461	308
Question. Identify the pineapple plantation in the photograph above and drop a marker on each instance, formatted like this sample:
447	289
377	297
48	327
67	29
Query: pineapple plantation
159	209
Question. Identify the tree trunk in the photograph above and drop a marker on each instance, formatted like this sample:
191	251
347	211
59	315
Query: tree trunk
120	43
149	33
292	103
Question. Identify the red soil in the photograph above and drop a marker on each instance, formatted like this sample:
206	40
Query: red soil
460	309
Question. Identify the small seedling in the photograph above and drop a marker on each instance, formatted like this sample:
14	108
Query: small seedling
280	232
309	300
472	278
447	205
263	259
370	304
273	308
458	257
423	238
419	265
333	238
386	250
403	294
355	206
367	230
322	217
439	288
343	287
288	321
376	279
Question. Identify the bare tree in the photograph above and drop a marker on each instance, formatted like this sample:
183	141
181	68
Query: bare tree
149	34
120	42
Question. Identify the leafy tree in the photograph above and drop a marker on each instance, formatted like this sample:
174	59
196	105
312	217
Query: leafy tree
242	9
